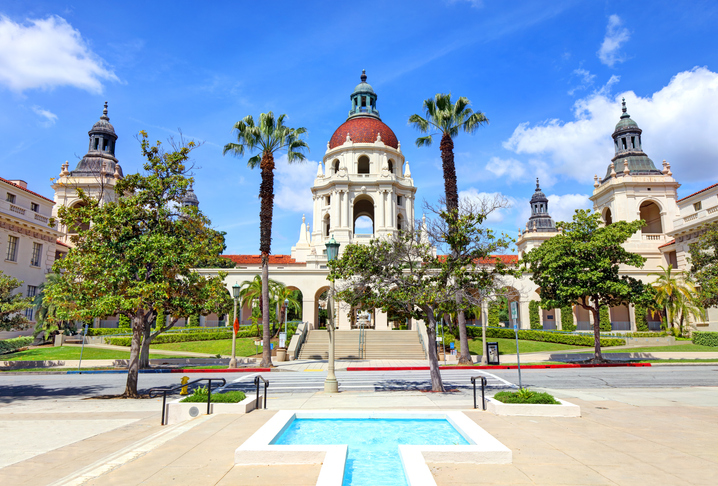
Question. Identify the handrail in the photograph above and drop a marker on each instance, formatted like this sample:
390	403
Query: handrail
154	392
362	341
266	385
295	345
483	390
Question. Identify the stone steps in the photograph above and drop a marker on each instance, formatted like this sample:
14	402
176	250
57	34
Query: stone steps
379	345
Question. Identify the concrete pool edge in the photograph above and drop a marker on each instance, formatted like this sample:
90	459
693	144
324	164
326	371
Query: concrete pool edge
259	449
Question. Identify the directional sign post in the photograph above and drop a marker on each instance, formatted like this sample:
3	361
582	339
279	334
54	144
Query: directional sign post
514	317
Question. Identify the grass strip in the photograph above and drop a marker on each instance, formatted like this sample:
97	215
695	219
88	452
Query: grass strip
226	397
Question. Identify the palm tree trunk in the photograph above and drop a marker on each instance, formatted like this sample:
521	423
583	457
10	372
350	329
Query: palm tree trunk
266	193
447	163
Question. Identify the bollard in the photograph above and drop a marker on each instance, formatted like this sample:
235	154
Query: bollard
184	381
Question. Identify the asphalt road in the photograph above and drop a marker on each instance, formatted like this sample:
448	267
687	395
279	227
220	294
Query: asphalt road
34	387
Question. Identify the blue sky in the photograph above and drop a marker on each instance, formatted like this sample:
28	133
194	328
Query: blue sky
548	75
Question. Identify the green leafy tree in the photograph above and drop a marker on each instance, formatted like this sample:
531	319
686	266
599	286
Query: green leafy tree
46	319
581	265
641	313
494	311
446	118
135	256
604	319
268	137
401	274
251	295
677	296
12	305
287	298
704	265
124	322
535	315
567	318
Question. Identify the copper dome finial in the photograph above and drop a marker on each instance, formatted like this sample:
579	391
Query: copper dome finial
363	76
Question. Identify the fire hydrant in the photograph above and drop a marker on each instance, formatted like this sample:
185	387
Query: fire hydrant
184	381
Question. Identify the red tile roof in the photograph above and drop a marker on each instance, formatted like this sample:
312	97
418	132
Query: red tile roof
668	244
257	259
505	259
363	129
698	192
63	244
26	190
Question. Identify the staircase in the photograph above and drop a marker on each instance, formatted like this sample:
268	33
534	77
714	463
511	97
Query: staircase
379	345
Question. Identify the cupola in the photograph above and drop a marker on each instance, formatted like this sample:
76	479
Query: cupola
629	158
363	99
540	219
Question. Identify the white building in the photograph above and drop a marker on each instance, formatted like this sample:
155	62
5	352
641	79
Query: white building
30	244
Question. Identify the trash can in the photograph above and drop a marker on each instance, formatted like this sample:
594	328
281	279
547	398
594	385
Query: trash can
281	354
492	353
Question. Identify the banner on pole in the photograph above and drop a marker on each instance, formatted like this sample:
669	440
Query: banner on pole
236	325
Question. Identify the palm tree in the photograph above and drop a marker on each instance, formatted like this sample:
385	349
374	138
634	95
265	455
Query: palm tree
447	118
267	137
284	293
45	316
251	292
677	296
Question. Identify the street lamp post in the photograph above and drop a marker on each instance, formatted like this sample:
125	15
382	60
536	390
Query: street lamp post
330	384
286	311
235	327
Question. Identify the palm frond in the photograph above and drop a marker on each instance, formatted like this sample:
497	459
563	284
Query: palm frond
419	123
424	141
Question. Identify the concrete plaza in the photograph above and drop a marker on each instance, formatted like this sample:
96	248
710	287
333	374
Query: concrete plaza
627	436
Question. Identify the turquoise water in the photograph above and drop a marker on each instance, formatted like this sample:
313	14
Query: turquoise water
373	455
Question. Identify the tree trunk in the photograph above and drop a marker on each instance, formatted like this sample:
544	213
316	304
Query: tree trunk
447	163
266	193
484	318
133	368
597	356
436	383
464	357
145	348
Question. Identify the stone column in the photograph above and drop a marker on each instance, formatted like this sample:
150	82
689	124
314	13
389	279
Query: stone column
557	316
309	311
381	212
410	210
524	321
381	320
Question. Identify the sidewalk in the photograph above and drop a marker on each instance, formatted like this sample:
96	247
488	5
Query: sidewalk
624	437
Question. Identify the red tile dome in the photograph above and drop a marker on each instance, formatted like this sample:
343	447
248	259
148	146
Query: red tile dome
363	129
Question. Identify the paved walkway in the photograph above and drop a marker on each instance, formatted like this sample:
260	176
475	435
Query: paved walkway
624	437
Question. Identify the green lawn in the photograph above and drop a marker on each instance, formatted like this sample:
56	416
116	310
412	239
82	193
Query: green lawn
65	353
508	346
245	347
678	348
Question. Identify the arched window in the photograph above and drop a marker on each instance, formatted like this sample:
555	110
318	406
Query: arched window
327	226
399	222
391	166
363	215
651	214
363	165
335	166
607	216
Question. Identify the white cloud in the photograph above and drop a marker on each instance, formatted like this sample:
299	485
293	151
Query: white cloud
472	3
512	170
50	117
294	181
616	35
679	124
497	216
562	208
46	53
586	80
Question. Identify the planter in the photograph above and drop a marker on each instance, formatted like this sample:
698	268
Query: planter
566	409
179	412
281	354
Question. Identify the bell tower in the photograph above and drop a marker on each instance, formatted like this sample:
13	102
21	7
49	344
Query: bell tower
363	188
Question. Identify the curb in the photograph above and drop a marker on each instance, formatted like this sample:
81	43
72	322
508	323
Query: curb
167	370
499	367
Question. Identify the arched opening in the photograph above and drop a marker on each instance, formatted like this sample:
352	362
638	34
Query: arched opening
320	310
400	222
651	214
335	166
548	319
363	165
620	318
295	308
327	225
391	166
607	216
82	227
363	215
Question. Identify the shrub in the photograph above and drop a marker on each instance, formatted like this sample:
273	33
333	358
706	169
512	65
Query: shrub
124	323
543	336
224	333
641	321
567	319
10	345
102	331
604	319
494	312
227	397
534	317
705	338
525	396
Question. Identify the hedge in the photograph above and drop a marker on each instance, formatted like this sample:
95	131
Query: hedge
224	333
534	315
10	345
548	337
567	319
641	321
494	312
705	338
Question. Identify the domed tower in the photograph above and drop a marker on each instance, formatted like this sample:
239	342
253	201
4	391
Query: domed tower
363	188
96	173
190	198
634	189
540	226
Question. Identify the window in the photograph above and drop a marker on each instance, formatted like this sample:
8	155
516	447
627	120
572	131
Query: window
697	206
97	143
398	200
12	248
391	166
28	313
31	291
36	253
623	140
633	142
328	200
363	165
10	198
35	207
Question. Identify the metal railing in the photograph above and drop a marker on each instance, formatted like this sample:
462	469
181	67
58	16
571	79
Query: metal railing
483	390
154	392
266	385
362	341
